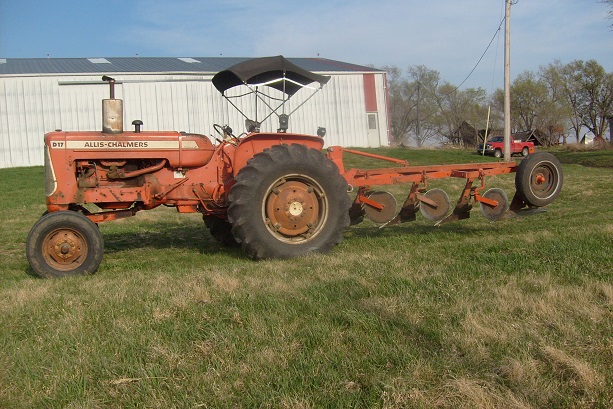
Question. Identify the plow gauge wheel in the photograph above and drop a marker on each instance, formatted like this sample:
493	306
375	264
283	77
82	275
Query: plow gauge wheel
539	179
439	210
494	212
388	210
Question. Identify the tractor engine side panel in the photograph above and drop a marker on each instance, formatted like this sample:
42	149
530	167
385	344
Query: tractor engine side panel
115	171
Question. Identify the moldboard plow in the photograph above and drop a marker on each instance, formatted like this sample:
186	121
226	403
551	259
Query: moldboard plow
538	181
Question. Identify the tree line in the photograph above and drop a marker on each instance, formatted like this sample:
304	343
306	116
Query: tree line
560	101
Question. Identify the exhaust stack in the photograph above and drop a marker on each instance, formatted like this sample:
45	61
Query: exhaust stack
112	110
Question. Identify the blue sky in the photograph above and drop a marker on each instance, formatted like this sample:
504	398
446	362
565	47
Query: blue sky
446	35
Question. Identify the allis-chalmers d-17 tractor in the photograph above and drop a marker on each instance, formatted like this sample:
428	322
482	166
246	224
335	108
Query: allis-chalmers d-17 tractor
277	194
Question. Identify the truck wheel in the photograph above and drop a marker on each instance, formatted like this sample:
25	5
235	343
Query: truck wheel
64	243
498	153
525	152
288	200
221	230
539	179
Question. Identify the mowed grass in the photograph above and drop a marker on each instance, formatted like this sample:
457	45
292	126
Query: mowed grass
472	314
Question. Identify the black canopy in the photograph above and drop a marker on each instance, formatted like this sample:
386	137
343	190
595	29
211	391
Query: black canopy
264	70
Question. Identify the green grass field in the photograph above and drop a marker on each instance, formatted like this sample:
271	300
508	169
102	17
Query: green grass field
472	314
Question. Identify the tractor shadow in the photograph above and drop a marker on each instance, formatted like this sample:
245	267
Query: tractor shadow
464	227
168	234
164	235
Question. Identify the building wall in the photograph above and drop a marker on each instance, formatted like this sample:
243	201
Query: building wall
30	106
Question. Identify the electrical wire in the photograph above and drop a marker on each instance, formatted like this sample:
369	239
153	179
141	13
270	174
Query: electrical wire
482	55
513	2
496	55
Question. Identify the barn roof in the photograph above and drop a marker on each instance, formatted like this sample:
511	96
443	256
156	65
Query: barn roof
204	65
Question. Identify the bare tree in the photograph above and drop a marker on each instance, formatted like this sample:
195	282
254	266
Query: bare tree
565	85
411	105
595	97
426	83
610	13
402	97
456	107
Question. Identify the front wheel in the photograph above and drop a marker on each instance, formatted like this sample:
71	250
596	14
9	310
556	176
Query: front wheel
64	243
288	201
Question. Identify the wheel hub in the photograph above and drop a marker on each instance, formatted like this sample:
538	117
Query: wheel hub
64	248
295	208
292	208
540	179
543	181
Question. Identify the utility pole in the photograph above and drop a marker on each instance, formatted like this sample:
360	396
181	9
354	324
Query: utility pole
507	81
417	129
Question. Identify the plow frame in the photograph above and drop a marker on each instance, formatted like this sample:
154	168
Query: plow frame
419	176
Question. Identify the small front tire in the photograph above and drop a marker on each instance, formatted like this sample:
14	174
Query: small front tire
64	243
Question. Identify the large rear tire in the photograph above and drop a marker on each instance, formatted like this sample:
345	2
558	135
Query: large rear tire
539	179
288	200
64	243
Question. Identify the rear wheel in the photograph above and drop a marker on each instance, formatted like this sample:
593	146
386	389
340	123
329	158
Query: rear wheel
288	201
64	243
539	179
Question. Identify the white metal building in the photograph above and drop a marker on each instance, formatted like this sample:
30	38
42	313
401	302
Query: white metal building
42	95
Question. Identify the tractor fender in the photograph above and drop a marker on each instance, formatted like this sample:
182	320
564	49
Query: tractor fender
255	143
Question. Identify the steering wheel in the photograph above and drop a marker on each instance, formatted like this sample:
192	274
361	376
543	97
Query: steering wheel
225	132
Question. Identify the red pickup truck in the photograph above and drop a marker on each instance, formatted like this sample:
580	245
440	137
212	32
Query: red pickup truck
495	147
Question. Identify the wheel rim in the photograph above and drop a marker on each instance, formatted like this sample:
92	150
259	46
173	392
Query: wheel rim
543	181
65	249
295	209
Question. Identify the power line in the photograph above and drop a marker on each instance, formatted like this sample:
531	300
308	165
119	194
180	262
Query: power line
482	55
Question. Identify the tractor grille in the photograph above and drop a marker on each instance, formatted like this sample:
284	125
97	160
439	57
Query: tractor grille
50	180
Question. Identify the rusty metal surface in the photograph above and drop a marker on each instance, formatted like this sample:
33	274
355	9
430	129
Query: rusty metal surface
381	207
112	116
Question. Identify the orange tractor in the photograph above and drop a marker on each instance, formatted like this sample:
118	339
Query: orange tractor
276	194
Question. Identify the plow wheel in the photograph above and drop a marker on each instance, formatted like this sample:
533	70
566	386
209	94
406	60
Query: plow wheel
64	243
436	206
539	179
495	212
288	201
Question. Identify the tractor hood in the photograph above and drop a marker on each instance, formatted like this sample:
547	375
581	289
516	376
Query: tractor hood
275	72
